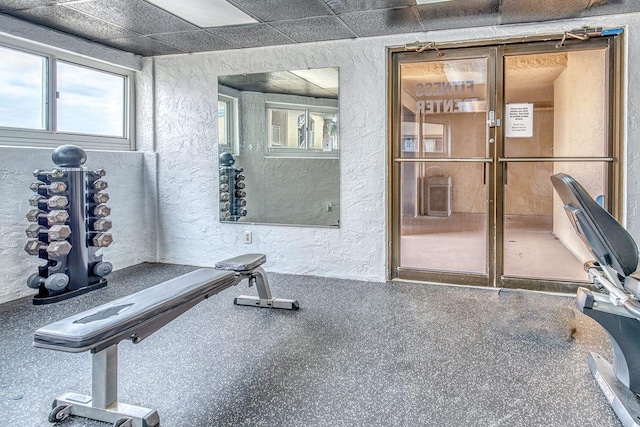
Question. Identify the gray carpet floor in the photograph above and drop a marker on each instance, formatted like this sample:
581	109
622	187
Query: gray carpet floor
355	354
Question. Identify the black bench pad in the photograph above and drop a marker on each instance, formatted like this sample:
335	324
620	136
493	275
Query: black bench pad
142	312
241	263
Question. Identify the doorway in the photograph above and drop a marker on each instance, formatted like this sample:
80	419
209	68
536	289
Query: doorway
476	134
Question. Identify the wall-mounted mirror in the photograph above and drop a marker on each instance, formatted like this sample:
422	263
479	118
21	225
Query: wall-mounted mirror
280	147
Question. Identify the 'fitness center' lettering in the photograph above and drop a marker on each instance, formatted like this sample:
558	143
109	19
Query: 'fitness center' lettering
443	105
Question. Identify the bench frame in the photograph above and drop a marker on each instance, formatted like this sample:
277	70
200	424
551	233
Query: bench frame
102	404
264	299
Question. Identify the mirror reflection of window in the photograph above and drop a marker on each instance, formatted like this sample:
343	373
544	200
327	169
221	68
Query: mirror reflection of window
298	130
223	114
275	135
227	126
302	131
288	145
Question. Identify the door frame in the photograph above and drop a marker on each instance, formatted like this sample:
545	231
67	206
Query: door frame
488	52
495	208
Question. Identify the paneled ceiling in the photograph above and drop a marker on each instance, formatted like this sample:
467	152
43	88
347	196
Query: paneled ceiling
142	28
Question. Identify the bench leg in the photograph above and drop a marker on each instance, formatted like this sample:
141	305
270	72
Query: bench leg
103	404
264	299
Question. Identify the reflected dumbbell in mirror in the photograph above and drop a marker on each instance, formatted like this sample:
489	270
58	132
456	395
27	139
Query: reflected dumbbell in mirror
239	201
239	180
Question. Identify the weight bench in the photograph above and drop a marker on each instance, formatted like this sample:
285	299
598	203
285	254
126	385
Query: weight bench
618	312
136	317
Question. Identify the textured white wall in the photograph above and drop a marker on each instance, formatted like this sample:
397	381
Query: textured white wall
186	134
186	95
176	118
129	175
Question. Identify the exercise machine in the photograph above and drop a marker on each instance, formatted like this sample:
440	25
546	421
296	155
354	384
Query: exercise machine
618	309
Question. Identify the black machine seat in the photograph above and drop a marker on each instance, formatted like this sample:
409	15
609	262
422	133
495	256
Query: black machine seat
607	240
618	310
134	315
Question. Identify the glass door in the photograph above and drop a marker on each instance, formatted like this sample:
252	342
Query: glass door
476	135
442	160
557	116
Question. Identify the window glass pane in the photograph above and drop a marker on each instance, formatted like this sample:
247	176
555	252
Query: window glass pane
90	101
327	140
22	89
287	128
223	120
449	94
304	130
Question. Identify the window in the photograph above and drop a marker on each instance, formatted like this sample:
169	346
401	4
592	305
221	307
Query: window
228	130
96	96
302	131
48	99
22	90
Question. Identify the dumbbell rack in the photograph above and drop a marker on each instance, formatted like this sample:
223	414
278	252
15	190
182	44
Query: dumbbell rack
232	193
69	227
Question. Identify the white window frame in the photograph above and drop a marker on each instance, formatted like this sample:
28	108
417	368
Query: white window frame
233	125
305	153
50	137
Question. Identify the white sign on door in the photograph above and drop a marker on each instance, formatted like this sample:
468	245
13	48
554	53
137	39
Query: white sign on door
519	121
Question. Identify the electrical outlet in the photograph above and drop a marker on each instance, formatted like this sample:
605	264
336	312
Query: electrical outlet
247	236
